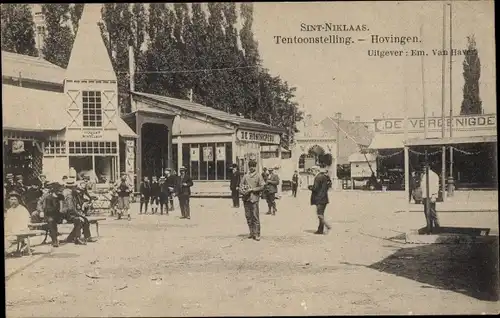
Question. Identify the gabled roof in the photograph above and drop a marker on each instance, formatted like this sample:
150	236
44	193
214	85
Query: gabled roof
31	68
211	112
89	58
33	109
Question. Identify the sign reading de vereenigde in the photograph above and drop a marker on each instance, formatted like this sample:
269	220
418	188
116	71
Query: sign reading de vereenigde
436	123
260	137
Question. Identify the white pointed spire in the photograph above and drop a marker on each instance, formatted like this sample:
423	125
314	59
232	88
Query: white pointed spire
89	57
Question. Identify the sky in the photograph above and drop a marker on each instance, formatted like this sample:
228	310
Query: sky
334	78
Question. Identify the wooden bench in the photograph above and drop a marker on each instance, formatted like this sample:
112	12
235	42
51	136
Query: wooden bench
42	226
95	220
25	235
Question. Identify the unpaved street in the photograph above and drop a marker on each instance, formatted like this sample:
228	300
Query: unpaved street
165	266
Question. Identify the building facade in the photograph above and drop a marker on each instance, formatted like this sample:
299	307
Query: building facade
66	119
175	133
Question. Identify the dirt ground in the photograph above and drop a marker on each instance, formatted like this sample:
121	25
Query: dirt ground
165	266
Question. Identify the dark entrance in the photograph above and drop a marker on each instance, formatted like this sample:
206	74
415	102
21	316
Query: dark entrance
154	149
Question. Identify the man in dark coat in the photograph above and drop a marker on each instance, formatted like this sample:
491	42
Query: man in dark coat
155	195
171	180
145	192
235	186
271	189
295	183
164	194
319	198
250	187
184	193
49	204
71	211
265	175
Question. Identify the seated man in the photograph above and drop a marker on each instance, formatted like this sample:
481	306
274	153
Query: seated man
71	211
16	219
49	210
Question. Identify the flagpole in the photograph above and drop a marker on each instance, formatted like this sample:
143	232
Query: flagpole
443	119
423	87
450	178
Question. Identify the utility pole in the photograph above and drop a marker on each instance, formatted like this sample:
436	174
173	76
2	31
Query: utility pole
450	178
443	129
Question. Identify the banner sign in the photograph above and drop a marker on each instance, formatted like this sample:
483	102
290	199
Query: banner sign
195	154
208	154
260	137
221	153
471	122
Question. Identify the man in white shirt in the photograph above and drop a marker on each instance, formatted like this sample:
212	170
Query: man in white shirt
430	208
16	220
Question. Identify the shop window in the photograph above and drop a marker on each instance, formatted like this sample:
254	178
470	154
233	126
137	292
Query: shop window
92	109
207	161
55	148
93	147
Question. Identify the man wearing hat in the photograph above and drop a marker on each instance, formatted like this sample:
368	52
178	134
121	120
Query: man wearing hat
234	185
319	198
184	193
250	187
271	190
8	186
72	213
171	181
145	192
155	194
49	209
164	194
123	189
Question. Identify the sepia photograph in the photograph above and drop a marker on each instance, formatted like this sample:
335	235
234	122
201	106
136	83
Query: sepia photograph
250	159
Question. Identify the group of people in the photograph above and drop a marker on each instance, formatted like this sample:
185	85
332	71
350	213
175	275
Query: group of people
254	186
161	192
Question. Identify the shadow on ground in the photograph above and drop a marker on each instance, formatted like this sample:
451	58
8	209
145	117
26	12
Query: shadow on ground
470	269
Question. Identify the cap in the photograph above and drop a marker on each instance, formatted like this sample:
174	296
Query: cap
162	178
168	169
270	169
9	176
182	168
70	182
14	194
19	177
253	163
315	168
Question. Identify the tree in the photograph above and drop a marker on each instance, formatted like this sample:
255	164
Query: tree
471	103
18	29
76	11
59	40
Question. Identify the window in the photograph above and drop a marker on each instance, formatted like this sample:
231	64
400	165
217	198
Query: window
93	147
92	109
55	148
208	161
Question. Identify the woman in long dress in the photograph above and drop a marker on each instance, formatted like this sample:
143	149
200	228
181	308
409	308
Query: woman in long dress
123	189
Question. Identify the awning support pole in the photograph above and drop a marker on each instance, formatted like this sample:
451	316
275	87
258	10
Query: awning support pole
407	175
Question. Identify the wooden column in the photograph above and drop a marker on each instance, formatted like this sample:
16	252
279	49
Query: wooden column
179	154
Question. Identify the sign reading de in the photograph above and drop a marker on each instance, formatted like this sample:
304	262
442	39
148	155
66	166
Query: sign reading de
474	122
259	137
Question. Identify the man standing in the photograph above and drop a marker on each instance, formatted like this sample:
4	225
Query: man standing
155	195
265	175
430	201
250	187
164	194
235	186
319	198
295	183
271	189
184	192
145	192
171	180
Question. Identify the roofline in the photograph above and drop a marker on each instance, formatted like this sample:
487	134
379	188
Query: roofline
40	130
239	125
31	80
